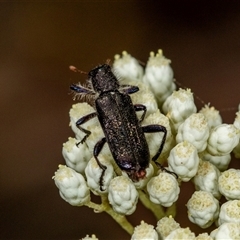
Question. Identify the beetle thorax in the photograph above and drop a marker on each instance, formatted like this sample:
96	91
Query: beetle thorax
103	79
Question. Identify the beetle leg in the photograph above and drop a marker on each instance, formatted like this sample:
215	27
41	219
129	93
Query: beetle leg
158	128
129	89
140	107
97	149
81	121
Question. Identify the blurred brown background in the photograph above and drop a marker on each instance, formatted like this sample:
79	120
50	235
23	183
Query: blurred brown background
40	40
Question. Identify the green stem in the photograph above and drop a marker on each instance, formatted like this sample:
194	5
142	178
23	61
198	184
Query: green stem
172	210
120	219
157	210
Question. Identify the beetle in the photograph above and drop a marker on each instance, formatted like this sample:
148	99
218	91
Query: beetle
117	116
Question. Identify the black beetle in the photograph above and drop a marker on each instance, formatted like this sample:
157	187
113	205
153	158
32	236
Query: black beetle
121	126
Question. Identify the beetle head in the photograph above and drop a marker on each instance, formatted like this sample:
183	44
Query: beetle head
103	79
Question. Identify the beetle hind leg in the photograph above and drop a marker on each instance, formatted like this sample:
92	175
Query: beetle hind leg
153	129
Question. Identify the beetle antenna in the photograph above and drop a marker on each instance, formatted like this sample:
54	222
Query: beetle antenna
74	69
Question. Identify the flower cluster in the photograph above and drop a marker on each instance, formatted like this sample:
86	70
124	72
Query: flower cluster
197	148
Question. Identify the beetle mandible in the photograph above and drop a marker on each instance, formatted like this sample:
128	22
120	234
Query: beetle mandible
121	126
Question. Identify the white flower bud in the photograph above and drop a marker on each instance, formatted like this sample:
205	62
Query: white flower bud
221	162
229	184
184	160
154	139
206	178
230	212
213	233
179	106
181	233
166	225
163	189
76	157
72	186
159	76
144	231
194	130
203	208
127	67
122	195
203	236
94	172
93	237
230	231
212	115
76	112
223	139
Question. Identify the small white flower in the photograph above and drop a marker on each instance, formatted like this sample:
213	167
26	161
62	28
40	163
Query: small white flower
206	178
223	139
127	67
221	162
212	115
93	237
144	231
94	172
179	106
203	208
159	76
230	231
76	156
76	112
213	233
181	233
229	184
194	130
184	160
166	225
72	186
122	195
230	212
163	189
203	236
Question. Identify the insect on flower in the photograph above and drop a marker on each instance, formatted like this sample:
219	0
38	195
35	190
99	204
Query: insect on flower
121	126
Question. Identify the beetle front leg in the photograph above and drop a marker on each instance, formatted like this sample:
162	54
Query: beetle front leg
153	129
97	149
81	121
129	89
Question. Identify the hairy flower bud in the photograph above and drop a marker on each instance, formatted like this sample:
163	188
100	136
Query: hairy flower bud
122	195
144	231
203	208
184	160
163	189
72	186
